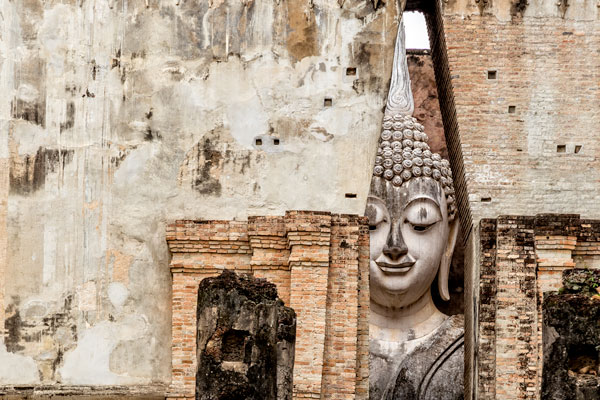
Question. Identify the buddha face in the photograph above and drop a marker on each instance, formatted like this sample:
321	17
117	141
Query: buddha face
409	234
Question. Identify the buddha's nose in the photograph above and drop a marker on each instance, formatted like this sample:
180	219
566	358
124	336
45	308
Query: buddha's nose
395	248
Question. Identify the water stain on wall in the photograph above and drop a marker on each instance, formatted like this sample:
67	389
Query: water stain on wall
36	327
207	164
28	172
70	117
302	30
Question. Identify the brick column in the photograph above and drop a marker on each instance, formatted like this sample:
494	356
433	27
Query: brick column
486	344
516	311
309	237
339	369
200	249
270	252
587	252
362	356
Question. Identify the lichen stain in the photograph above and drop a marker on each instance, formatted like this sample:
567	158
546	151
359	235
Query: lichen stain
70	117
40	333
151	135
367	55
32	111
206	163
12	326
518	8
121	156
210	161
302	39
28	173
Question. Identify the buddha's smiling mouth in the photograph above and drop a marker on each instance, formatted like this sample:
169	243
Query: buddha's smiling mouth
395	267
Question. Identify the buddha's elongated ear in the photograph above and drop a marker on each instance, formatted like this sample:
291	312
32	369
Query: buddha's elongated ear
444	270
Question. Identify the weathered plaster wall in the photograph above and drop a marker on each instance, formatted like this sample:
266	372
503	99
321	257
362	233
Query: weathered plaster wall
118	116
546	94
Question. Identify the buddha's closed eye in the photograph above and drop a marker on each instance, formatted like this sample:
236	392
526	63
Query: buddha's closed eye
422	214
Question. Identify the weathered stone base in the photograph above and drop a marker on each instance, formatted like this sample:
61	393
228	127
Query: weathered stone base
150	392
572	338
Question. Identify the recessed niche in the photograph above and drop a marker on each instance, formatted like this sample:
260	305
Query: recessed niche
577	148
486	199
350	71
258	142
583	359
233	345
276	142
327	102
512	109
561	148
350	195
492	74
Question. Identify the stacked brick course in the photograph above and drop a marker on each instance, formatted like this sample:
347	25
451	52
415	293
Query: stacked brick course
319	262
520	259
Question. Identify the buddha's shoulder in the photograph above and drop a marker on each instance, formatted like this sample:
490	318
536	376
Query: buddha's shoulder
435	369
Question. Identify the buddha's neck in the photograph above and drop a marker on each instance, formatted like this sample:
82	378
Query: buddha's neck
401	324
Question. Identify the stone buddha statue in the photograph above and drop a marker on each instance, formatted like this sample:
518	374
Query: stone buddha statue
416	351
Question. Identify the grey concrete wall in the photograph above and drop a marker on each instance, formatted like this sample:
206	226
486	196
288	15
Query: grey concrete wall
120	115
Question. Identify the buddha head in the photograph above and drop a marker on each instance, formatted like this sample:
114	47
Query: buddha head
412	216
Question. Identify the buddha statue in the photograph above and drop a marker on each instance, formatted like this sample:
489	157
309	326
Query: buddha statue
416	351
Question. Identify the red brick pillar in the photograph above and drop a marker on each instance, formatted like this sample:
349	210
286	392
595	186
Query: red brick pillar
270	252
309	236
516	313
362	351
200	249
339	369
486	328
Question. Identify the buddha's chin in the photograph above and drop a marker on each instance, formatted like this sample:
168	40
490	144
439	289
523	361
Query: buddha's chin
389	297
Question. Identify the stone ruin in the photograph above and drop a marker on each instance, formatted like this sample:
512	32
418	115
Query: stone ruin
245	342
572	338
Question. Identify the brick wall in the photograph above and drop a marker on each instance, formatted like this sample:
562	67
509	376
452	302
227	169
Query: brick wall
545	94
520	259
319	262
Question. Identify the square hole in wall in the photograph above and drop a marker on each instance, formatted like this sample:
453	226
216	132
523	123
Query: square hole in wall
561	148
327	102
350	71
512	109
486	199
350	195
258	142
577	148
492	74
276	142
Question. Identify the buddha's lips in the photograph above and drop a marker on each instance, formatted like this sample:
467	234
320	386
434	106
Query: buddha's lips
396	267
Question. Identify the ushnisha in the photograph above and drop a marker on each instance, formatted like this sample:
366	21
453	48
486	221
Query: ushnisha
403	154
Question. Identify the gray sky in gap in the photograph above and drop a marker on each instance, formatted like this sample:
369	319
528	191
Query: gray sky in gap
416	30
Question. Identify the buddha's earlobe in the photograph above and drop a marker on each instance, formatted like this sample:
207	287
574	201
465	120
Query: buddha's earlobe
444	270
